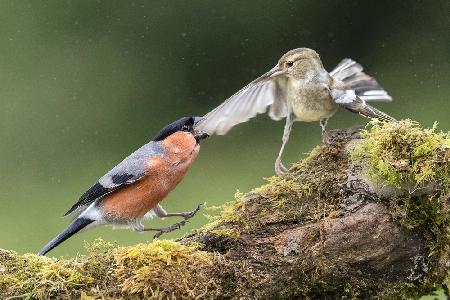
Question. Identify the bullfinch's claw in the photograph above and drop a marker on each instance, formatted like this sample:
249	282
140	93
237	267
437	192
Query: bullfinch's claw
190	214
170	228
176	226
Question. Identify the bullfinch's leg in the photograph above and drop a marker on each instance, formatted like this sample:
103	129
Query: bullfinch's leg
161	212
325	136
139	227
167	229
279	168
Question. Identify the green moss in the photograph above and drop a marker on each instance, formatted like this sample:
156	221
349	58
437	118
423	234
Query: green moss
404	155
409	158
312	180
228	232
409	290
230	210
412	161
229	214
40	277
161	269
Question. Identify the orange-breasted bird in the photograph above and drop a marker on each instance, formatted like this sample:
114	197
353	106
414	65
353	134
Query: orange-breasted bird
299	88
133	189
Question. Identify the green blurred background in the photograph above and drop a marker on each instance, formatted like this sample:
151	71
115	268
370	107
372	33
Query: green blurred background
84	83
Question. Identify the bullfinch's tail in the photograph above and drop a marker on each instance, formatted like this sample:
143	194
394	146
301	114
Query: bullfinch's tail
364	86
74	227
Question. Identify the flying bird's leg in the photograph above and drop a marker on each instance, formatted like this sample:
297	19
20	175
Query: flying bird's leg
279	167
325	136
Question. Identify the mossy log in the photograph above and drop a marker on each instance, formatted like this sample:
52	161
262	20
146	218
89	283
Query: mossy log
365	217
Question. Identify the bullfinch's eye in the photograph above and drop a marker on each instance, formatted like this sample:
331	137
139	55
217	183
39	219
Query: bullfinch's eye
186	128
290	63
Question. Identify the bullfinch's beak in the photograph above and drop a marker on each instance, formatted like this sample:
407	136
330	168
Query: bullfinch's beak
276	71
200	136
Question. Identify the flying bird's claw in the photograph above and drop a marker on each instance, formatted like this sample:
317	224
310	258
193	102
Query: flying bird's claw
280	169
326	138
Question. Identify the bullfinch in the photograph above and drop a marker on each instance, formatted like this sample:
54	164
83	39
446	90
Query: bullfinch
133	190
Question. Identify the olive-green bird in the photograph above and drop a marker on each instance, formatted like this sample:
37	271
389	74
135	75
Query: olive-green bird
298	88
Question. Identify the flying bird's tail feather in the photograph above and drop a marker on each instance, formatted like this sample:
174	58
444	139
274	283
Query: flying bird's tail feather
365	87
361	107
73	228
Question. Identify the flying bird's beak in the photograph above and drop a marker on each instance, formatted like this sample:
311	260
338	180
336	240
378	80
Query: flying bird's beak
276	71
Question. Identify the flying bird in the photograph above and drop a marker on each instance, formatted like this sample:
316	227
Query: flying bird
133	189
298	88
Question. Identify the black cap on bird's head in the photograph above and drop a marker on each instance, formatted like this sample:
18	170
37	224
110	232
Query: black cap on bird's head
184	124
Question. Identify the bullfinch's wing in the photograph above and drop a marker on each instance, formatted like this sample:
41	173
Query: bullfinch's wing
249	101
130	170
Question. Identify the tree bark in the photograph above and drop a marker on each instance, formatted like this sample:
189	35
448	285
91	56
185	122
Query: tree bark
322	231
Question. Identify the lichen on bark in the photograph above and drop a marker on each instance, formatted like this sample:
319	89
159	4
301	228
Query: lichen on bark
365	217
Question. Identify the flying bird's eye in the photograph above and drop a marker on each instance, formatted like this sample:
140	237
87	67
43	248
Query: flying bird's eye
290	63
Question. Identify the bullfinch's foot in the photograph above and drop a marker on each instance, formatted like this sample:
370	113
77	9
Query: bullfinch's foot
190	214
176	226
280	169
170	228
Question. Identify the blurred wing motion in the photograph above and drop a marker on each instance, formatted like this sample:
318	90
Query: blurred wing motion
130	170
251	100
364	86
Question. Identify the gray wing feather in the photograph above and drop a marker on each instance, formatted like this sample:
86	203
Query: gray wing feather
278	109
365	86
345	69
130	170
134	166
249	101
343	96
353	102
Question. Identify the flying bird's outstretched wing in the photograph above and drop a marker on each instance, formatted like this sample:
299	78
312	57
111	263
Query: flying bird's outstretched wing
249	101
